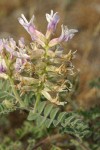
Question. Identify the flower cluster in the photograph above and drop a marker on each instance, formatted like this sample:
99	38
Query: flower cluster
40	67
41	39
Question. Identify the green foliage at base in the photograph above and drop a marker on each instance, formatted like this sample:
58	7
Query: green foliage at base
70	122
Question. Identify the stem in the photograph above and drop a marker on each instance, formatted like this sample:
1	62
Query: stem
73	104
15	91
46	51
38	96
83	145
49	140
12	83
37	101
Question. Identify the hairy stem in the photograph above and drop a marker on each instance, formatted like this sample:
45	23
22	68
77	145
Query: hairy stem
12	83
48	140
37	101
40	88
15	91
83	145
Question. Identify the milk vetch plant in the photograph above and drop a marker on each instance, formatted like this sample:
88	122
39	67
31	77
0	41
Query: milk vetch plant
36	77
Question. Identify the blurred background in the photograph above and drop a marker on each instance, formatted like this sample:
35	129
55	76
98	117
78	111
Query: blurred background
83	15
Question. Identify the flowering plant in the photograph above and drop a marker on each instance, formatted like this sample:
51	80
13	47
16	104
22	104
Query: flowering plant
38	78
41	67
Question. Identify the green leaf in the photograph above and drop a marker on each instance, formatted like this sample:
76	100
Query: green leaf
41	106
48	114
47	111
59	119
32	116
53	114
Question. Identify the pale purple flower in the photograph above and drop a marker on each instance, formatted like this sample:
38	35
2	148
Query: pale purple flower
66	35
8	45
53	20
21	42
12	43
11	47
19	64
1	45
29	26
31	29
20	55
3	67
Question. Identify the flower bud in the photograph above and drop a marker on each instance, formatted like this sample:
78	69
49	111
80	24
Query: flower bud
19	64
21	42
3	66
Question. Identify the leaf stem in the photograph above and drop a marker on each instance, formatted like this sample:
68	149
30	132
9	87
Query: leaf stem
83	145
15	92
37	101
12	82
40	88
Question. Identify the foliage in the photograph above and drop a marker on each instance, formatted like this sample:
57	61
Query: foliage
69	121
92	116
